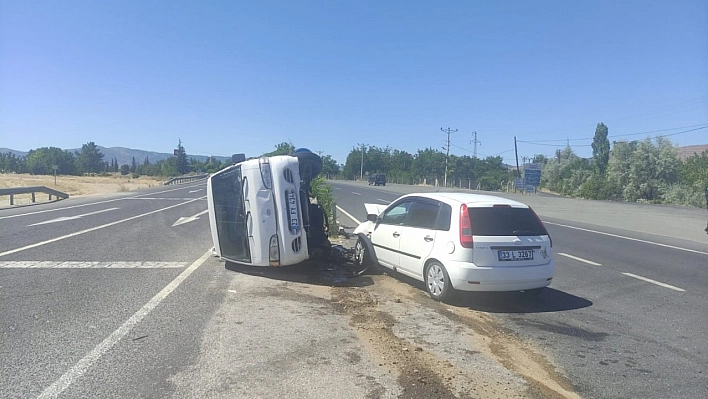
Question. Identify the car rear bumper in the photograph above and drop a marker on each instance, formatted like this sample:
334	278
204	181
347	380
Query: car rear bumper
464	276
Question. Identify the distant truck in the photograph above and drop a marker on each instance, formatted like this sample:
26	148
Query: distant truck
260	211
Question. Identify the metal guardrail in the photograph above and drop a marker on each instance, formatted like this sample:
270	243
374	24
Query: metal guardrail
32	190
185	179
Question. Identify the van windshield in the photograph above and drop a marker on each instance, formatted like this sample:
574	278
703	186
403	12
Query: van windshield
505	221
231	216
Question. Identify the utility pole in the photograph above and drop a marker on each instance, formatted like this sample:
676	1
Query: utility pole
516	152
361	171
447	149
475	142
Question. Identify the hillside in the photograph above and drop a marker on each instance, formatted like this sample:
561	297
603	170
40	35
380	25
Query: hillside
125	155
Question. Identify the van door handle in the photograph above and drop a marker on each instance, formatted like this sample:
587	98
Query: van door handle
428	238
396	234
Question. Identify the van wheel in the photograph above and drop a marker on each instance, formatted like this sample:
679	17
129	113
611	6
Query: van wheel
437	281
362	258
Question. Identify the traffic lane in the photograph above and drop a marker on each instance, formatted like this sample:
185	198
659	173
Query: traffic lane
70	300
635	340
164	342
352	199
678	267
154	237
53	317
74	217
166	213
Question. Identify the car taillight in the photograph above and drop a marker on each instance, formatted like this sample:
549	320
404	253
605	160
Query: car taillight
274	251
466	240
544	227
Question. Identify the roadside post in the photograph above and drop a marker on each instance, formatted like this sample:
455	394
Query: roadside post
55	167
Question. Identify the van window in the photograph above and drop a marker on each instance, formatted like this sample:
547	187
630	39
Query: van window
505	221
231	217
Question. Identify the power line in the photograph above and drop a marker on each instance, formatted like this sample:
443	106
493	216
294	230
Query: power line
701	126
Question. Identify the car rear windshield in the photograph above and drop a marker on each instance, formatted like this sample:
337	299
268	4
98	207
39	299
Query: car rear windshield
505	221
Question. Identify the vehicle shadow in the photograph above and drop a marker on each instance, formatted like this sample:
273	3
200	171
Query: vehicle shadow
548	300
332	273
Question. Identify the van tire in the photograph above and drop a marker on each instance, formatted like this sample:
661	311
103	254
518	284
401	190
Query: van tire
437	281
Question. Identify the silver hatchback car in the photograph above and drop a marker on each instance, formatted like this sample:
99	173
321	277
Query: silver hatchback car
458	241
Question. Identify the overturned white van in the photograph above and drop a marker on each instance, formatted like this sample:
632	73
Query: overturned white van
260	211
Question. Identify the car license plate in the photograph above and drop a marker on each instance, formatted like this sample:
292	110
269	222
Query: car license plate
292	211
517	254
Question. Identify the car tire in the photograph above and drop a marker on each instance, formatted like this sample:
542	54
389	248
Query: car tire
437	281
362	257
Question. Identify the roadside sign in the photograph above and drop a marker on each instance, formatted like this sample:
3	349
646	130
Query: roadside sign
532	174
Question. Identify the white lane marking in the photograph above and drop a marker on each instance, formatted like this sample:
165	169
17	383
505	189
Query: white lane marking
648	280
383	200
92	203
188	219
348	215
195	191
29	264
65	218
91	357
161	199
12	251
579	259
355	193
629	238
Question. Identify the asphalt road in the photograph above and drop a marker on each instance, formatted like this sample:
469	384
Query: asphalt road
118	296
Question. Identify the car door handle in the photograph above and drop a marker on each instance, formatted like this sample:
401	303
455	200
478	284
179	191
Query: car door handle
396	234
428	238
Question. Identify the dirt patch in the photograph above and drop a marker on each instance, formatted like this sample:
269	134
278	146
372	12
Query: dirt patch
75	186
471	355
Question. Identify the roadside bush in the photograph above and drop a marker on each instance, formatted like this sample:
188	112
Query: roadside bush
679	194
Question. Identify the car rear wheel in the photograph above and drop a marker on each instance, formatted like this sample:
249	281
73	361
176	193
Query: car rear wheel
437	281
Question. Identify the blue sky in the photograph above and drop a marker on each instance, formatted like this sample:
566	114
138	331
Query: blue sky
243	76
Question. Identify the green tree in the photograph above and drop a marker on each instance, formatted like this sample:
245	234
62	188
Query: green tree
643	169
283	148
42	160
181	164
601	148
124	169
89	159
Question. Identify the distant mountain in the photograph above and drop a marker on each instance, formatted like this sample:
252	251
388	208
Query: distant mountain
125	155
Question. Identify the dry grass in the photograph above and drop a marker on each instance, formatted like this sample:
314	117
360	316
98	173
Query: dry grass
75	186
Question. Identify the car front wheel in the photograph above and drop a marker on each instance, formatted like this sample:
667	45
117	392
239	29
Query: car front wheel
362	258
437	281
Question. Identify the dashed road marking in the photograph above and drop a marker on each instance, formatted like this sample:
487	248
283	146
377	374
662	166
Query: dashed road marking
648	280
579	259
89	265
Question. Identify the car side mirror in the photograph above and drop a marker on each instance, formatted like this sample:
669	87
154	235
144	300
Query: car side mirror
372	217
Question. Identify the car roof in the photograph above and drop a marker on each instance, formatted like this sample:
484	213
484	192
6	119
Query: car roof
470	199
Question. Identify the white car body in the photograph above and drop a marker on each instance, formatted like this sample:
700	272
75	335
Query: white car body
430	232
